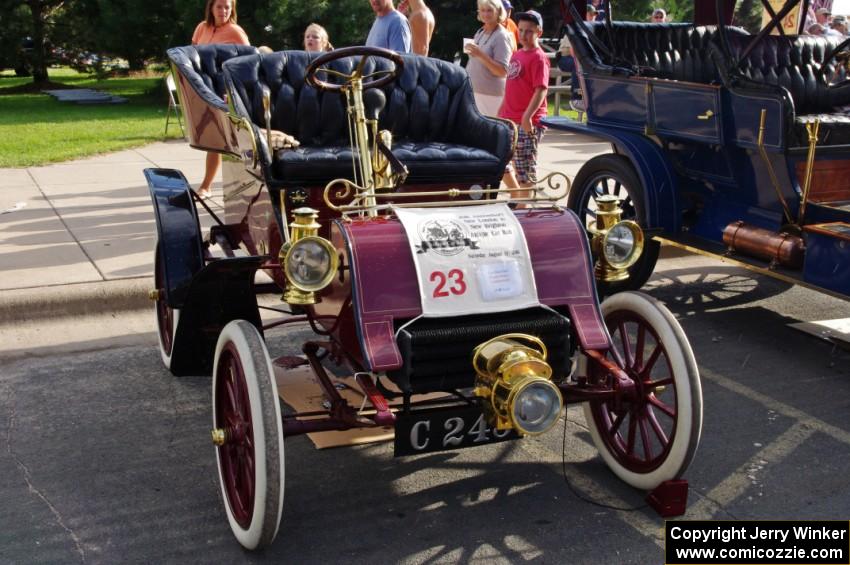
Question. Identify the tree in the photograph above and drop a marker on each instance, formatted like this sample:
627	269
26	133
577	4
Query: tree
14	25
41	13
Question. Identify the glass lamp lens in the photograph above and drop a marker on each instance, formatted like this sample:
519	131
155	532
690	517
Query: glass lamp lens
619	244
309	262
537	407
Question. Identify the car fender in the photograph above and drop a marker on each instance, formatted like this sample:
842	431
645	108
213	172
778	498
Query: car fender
659	180
178	232
219	293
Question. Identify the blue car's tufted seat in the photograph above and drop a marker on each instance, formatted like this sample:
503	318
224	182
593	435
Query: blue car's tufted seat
790	68
795	64
201	65
668	51
437	131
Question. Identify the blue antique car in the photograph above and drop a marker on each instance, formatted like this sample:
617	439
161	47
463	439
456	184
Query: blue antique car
366	185
725	142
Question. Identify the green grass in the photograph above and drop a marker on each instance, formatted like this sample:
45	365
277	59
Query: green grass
37	129
566	111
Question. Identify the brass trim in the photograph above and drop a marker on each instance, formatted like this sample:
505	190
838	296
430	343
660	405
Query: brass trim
219	436
534	340
771	173
706	116
267	116
361	200
812	129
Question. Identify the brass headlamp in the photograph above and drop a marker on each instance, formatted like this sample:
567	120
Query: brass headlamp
514	379
617	244
308	261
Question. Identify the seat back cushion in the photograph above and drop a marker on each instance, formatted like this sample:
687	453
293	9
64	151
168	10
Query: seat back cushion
795	63
419	106
202	67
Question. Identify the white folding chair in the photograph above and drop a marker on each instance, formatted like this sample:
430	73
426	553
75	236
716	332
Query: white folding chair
173	105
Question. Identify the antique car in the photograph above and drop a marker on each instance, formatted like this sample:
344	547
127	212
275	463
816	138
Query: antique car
725	142
365	184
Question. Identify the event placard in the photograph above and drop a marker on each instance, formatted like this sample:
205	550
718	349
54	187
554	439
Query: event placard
469	260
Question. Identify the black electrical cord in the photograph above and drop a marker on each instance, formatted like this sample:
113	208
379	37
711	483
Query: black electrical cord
572	488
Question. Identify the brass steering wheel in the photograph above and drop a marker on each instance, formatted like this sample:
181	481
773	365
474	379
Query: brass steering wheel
376	79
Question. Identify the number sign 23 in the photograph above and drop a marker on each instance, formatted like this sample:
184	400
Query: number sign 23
448	283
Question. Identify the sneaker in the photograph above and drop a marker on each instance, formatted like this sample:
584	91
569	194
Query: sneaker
204	193
578	105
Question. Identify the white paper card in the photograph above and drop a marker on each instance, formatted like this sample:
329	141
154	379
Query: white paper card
469	260
498	281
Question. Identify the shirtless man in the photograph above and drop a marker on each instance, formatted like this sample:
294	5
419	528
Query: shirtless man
421	24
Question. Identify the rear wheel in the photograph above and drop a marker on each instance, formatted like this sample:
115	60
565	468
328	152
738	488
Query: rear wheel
249	453
613	174
650	434
167	318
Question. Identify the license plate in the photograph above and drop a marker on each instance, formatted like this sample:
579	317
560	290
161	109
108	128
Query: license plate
440	429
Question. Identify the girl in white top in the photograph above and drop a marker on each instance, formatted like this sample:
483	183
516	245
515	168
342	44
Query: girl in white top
489	56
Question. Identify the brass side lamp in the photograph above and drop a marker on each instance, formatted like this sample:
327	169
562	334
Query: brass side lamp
308	261
617	244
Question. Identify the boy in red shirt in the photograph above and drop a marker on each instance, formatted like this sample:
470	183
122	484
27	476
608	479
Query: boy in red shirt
525	101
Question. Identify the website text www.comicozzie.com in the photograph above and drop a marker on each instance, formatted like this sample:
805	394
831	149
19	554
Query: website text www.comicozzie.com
759	543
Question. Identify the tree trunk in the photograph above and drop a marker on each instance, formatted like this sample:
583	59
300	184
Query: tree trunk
39	60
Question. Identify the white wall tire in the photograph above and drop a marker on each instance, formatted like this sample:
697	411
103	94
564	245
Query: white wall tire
640	441
167	318
251	463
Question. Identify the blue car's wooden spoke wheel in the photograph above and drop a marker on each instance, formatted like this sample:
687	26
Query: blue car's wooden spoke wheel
249	431
614	175
648	434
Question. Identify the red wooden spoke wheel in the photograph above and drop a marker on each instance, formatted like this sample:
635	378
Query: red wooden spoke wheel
167	318
249	435
236	457
649	432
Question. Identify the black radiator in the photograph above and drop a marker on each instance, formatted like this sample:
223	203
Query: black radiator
437	352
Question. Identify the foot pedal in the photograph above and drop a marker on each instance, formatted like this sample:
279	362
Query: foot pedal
670	498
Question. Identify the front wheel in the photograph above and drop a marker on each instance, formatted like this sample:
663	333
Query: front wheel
614	175
249	443
650	434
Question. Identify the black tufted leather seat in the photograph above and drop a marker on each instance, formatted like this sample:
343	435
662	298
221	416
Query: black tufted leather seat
437	130
201	65
777	65
795	63
670	51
